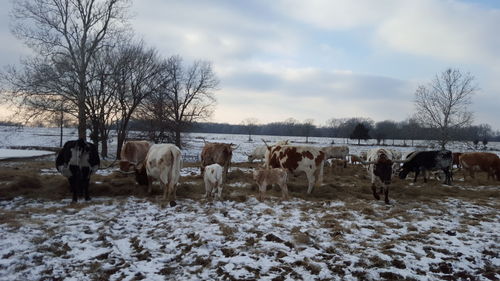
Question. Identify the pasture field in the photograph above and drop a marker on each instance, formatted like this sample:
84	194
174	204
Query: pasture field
339	232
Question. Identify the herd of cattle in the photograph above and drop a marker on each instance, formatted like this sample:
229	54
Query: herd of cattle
77	160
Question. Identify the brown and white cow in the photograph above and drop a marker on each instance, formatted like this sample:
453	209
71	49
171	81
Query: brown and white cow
297	159
163	163
217	153
278	176
133	153
480	162
380	163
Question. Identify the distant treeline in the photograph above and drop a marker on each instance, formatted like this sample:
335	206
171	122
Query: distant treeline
381	131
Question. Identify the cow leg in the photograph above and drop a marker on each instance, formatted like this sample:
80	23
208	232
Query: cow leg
374	190
416	175
311	180
171	193
219	191
262	190
150	185
86	189
386	193
284	191
208	189
73	185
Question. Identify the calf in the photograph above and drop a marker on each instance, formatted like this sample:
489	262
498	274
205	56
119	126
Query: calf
278	176
220	153
425	161
480	162
133	153
337	165
356	159
77	160
213	181
163	163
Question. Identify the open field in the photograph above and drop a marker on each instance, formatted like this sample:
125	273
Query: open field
428	232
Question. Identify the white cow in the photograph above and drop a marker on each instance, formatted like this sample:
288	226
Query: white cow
162	163
213	181
260	151
339	152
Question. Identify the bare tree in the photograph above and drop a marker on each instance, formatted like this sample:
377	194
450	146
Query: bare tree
69	32
139	73
251	126
308	128
190	93
443	103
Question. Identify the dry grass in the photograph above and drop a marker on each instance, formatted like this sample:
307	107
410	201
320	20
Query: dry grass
352	186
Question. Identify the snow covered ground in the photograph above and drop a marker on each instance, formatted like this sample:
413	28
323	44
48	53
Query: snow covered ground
130	238
20	153
133	239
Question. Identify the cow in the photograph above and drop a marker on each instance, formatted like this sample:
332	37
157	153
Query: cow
480	162
297	159
77	160
133	153
260	151
456	157
220	153
278	176
379	163
356	159
425	161
213	181
339	152
163	163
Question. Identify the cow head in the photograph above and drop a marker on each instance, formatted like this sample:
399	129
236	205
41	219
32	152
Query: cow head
383	168
141	175
126	166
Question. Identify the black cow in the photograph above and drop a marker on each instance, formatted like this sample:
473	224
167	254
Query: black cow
77	160
428	161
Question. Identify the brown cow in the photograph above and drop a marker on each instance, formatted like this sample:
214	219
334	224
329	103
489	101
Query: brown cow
480	162
133	153
217	153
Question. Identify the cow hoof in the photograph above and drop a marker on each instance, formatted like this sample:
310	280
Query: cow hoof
173	204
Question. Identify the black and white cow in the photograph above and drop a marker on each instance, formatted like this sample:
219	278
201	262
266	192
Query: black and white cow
425	161
77	160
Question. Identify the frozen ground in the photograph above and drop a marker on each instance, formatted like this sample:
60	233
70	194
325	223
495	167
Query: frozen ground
132	239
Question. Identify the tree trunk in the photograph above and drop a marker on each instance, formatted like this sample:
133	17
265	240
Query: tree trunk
62	126
178	138
82	121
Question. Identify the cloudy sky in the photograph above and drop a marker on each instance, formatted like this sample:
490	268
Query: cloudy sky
321	59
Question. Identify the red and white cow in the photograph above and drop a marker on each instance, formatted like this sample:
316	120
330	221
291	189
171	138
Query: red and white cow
297	159
213	181
163	163
220	153
133	153
380	162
